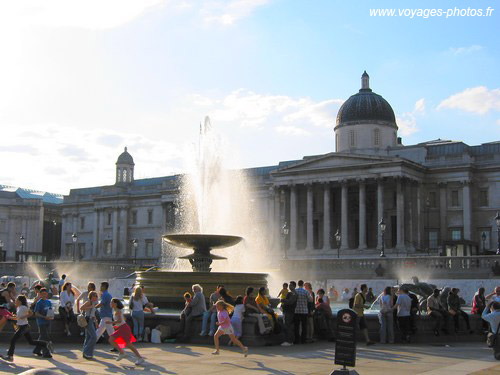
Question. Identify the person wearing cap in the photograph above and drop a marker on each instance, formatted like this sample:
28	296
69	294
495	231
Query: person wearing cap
436	311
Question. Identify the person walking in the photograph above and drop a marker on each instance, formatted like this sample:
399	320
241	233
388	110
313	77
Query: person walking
403	306
436	311
385	316
300	313
23	329
66	303
84	297
44	314
89	310
225	328
105	312
311	307
136	306
359	306
288	305
456	311
122	336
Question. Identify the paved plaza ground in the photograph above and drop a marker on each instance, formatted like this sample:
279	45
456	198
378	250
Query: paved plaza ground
317	358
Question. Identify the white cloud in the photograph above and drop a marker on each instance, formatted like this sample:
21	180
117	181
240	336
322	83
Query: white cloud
407	121
292	130
252	110
88	14
478	100
227	12
72	158
465	50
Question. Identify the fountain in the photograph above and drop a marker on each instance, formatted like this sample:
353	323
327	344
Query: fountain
208	215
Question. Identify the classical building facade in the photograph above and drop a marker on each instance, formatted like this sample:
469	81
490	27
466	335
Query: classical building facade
436	197
36	217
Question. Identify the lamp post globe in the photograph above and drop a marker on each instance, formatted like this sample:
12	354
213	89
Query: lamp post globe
284	233
382	226
135	243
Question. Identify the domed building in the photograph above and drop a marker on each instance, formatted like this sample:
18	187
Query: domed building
365	122
436	197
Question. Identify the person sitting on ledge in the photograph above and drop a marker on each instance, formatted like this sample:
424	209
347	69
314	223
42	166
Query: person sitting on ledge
211	313
455	309
265	305
198	307
494	296
225	296
436	311
491	314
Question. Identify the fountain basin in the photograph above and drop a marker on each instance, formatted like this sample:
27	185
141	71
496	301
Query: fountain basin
165	288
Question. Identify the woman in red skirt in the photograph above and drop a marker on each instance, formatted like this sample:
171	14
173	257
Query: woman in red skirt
122	337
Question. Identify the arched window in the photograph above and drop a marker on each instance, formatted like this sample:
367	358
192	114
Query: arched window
118	174
352	138
376	137
124	175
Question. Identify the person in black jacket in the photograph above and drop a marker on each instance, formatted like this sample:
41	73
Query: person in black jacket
288	304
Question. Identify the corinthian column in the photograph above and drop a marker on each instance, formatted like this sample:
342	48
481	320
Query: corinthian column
362	215
400	216
326	217
380	210
293	218
310	197
467	210
343	220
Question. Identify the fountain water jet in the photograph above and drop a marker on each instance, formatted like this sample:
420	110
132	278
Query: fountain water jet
213	200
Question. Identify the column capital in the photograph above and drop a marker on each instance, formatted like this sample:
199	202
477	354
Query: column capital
361	181
442	184
344	182
466	182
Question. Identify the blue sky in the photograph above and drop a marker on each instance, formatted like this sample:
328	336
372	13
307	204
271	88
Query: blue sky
81	80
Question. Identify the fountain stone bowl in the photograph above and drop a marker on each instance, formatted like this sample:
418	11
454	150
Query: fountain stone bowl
165	288
202	244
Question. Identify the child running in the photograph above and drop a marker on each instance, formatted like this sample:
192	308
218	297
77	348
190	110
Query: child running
23	328
225	328
122	336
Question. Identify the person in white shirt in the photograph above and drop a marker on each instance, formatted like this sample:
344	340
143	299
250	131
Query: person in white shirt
385	316
403	304
66	303
345	295
23	328
237	318
495	296
136	305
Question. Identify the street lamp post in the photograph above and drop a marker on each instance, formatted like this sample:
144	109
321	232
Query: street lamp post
382	232
284	233
337	239
21	239
497	221
135	243
483	237
74	236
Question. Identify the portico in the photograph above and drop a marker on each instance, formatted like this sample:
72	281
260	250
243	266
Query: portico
321	198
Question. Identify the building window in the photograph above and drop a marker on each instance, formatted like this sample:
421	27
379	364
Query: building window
109	218
483	198
82	223
69	250
149	248
484	239
108	247
376	137
134	217
433	239
432	199
150	216
81	251
456	234
454	198
352	138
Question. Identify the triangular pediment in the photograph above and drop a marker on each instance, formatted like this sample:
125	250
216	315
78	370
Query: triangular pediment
336	160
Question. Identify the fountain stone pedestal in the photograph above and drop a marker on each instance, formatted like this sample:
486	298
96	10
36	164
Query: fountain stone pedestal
166	288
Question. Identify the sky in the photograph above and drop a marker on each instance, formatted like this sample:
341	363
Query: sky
80	80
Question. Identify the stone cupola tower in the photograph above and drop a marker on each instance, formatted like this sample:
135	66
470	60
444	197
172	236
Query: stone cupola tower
124	168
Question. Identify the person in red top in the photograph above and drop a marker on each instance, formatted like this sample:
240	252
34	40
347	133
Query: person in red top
479	304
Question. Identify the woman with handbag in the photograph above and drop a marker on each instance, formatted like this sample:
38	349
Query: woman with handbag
136	305
88	313
67	301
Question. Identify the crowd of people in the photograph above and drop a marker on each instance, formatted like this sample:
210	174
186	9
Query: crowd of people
306	315
95	313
